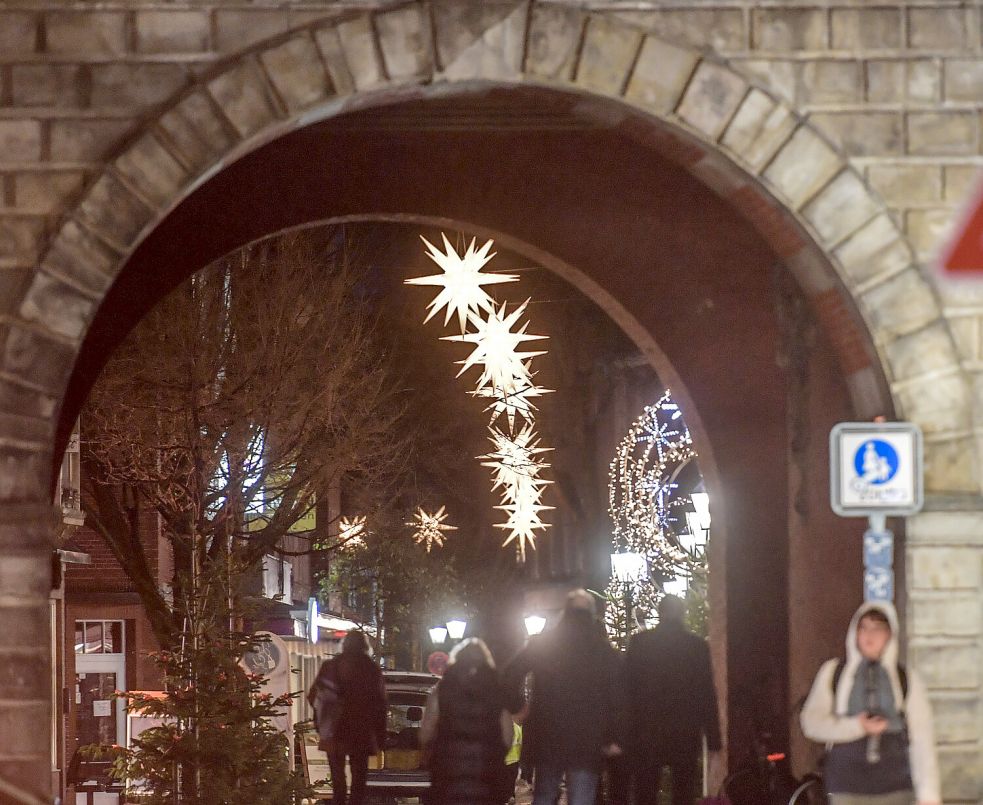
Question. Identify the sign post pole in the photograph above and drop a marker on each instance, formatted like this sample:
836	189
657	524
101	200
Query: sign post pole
876	471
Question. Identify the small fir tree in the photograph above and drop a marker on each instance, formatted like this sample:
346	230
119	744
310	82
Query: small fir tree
217	744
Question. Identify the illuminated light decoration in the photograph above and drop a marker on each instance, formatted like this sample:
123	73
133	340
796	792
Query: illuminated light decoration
430	528
351	532
646	508
495	348
514	458
506	380
535	624
461	283
512	399
438	634
523	522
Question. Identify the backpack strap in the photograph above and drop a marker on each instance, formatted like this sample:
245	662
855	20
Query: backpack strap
837	673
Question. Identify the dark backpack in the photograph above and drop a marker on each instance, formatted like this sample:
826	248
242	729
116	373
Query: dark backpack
325	699
902	678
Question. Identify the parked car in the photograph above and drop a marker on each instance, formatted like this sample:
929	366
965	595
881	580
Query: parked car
398	770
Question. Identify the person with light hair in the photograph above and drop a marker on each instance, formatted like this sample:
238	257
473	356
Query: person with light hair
466	730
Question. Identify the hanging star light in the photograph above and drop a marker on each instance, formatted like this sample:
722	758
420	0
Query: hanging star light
461	283
350	532
524	521
506	380
514	458
495	348
430	528
512	399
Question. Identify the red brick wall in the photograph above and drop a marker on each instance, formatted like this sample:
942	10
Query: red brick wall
105	573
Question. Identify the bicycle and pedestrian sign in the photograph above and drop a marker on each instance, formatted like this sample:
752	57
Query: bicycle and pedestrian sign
875	468
875	472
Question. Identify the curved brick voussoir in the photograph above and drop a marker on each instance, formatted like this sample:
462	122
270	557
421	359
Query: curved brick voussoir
296	72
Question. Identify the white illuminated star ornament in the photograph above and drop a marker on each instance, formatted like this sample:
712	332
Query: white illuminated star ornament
462	283
350	531
430	528
495	348
513	399
515	460
506	380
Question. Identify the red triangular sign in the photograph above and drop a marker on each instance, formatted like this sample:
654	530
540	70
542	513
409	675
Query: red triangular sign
964	253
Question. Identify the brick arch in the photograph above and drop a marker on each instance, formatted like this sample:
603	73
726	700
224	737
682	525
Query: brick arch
777	169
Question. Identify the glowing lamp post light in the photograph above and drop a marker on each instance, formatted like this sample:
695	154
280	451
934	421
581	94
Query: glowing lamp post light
629	567
456	629
535	624
438	634
701	502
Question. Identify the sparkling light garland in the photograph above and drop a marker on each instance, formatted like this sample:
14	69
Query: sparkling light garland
643	499
506	380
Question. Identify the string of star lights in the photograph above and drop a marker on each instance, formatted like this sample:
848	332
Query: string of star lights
643	501
429	528
506	380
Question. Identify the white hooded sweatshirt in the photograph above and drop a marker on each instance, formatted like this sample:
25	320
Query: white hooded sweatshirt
825	721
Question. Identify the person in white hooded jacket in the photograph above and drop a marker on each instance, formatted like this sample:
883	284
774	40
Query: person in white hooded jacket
876	723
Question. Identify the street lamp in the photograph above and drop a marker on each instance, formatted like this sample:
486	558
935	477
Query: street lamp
535	624
456	628
701	502
629	567
438	634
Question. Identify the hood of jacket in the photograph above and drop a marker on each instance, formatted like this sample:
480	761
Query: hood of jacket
889	659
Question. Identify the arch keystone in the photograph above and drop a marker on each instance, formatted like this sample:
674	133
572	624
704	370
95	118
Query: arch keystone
483	40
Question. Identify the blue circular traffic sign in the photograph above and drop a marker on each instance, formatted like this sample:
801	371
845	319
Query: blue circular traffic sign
876	462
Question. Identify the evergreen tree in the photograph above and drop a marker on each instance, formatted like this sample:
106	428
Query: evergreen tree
217	744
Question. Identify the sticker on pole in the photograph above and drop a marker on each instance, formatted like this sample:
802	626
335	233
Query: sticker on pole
875	468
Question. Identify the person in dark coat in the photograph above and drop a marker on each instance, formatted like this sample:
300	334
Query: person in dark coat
360	727
573	709
466	730
672	705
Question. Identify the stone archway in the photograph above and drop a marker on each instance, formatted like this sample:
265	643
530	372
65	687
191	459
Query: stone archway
750	146
776	168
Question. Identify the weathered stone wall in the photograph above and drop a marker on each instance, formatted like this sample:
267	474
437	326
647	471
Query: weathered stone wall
862	121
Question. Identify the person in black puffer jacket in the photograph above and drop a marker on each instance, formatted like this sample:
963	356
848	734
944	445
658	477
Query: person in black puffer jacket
466	730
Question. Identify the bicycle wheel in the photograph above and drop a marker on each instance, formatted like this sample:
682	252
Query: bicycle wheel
809	792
